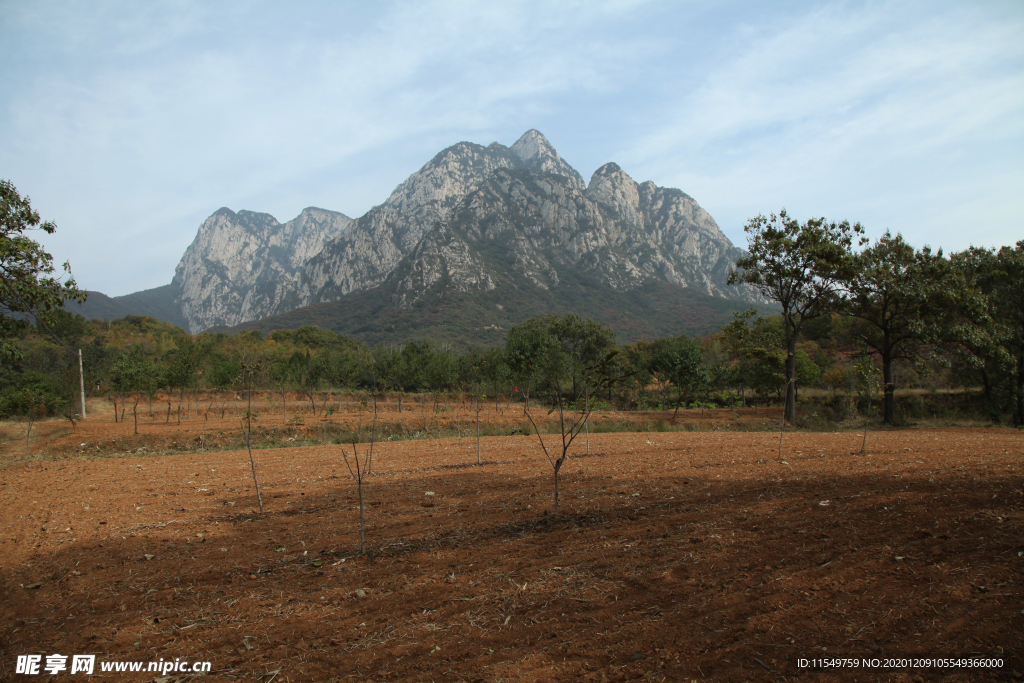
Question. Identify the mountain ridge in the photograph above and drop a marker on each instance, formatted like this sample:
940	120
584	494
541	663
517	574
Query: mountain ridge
472	220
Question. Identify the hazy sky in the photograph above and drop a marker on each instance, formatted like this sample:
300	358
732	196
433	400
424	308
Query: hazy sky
128	123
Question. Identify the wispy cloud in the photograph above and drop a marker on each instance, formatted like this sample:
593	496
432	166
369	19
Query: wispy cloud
146	118
876	112
129	123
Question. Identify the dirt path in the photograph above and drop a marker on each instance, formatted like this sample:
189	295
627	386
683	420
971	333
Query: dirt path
678	556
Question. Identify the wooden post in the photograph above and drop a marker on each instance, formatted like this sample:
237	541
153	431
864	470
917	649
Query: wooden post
81	382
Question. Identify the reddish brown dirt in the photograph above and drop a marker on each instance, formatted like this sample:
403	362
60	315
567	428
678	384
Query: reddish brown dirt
215	423
677	556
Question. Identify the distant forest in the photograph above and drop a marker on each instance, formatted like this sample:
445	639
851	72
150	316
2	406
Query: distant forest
946	336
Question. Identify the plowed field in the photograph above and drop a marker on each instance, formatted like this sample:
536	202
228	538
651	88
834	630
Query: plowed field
676	556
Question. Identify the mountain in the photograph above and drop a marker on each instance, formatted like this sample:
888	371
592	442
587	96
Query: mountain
487	235
241	265
159	302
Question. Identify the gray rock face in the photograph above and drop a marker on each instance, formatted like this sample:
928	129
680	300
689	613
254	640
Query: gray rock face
240	265
535	153
623	233
472	219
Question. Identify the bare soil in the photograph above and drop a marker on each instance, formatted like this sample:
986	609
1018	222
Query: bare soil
677	556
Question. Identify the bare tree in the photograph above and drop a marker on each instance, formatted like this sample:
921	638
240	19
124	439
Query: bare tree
358	473
573	415
250	368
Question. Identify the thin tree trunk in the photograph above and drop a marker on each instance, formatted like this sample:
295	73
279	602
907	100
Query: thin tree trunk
357	474
586	425
362	527
866	413
373	436
252	462
782	431
557	468
478	423
890	385
790	412
202	436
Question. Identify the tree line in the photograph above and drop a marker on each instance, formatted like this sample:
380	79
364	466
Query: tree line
857	317
905	304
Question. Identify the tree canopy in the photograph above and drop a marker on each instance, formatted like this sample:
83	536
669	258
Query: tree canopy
890	292
28	286
802	267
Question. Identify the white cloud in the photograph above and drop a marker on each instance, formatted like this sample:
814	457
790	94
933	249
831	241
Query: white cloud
871	112
129	123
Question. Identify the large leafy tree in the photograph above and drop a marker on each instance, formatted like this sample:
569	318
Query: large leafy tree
28	287
989	329
890	292
802	266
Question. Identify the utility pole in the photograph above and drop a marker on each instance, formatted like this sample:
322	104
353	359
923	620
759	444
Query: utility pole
81	381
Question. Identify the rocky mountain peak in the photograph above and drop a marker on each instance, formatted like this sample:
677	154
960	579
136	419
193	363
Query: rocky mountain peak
535	153
532	145
613	190
473	221
234	254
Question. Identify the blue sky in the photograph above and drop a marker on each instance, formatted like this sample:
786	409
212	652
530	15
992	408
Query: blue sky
129	123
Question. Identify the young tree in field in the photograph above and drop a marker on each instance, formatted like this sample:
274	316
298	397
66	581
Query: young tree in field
282	377
27	284
310	372
359	471
636	359
252	370
573	408
680	362
131	375
525	346
183	371
891	292
866	375
800	266
441	374
575	374
494	371
387	369
757	349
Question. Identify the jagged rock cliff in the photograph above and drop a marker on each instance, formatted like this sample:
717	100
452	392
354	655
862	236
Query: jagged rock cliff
371	251
241	265
533	225
473	219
